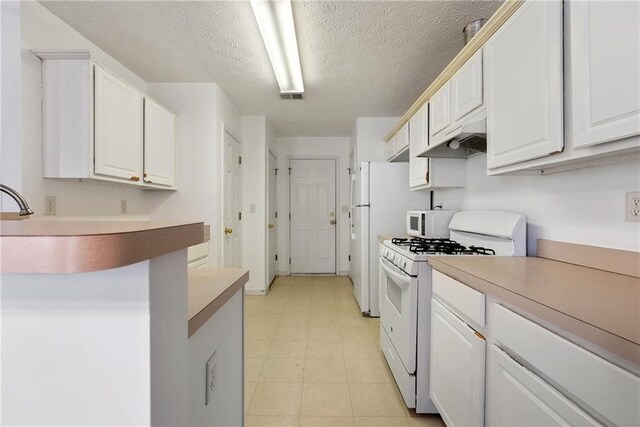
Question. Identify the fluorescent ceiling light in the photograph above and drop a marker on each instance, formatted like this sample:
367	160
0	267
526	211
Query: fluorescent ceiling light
275	20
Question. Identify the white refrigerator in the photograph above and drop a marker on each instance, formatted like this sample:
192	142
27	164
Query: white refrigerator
380	199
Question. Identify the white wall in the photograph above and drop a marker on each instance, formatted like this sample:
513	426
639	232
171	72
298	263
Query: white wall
368	137
40	29
254	194
10	108
314	147
583	206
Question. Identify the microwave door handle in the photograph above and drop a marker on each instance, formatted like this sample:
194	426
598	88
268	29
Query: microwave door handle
401	279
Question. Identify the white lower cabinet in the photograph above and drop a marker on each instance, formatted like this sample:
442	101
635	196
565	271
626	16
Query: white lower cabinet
457	368
517	397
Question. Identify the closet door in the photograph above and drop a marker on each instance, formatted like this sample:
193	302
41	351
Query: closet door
117	127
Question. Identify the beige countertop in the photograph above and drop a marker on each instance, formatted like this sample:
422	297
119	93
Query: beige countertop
41	246
596	305
210	289
383	237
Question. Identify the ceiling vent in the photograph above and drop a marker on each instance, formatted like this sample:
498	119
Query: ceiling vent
291	95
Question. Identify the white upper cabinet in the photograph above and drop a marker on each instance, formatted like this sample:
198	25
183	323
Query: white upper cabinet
523	80
94	125
466	87
440	110
402	139
419	140
604	50
118	127
159	144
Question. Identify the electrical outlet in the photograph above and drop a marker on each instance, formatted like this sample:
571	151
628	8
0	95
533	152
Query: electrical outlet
252	208
49	205
123	207
632	209
212	380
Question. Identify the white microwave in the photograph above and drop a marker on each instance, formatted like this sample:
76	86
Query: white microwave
429	224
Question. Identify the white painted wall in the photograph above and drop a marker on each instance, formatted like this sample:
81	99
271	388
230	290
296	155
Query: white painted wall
583	206
314	147
40	29
368	137
10	107
254	193
221	334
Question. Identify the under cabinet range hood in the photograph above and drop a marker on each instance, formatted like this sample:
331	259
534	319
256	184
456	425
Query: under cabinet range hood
463	140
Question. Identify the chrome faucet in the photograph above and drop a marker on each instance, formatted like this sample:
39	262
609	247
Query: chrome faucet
22	203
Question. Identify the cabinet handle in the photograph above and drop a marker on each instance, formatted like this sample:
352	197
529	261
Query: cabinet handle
134	178
426	177
479	335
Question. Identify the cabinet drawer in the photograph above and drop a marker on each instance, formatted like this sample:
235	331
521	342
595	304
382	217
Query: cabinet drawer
605	388
517	397
462	298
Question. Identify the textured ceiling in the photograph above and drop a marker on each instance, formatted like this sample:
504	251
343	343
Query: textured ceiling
359	58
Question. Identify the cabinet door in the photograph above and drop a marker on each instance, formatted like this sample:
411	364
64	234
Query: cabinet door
523	85
402	138
390	148
466	87
457	369
118	127
605	70
517	397
159	144
418	141
440	109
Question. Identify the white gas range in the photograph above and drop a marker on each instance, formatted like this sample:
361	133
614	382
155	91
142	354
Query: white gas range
405	291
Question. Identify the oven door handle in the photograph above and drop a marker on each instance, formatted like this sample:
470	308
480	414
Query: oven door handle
399	278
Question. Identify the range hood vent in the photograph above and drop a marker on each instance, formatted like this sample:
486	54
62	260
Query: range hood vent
467	139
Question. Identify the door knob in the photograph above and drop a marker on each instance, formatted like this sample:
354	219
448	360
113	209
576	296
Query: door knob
271	226
228	231
332	222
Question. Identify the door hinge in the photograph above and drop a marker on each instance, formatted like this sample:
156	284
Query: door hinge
276	171
289	260
239	216
276	214
276	257
349	257
240	160
289	171
289	215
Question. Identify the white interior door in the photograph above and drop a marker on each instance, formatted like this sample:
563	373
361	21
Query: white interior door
232	255
273	233
313	216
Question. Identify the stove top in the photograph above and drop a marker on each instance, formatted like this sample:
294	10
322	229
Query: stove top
421	246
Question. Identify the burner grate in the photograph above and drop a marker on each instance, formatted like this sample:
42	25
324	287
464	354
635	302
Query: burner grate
419	245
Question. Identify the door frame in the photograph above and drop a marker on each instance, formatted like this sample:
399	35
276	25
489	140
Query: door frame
336	160
220	223
267	246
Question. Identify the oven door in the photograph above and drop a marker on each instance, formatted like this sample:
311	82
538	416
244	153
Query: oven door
399	311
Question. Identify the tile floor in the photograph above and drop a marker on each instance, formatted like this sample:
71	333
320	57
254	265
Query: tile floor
312	359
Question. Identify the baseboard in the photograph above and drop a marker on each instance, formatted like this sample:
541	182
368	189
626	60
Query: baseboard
253	291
